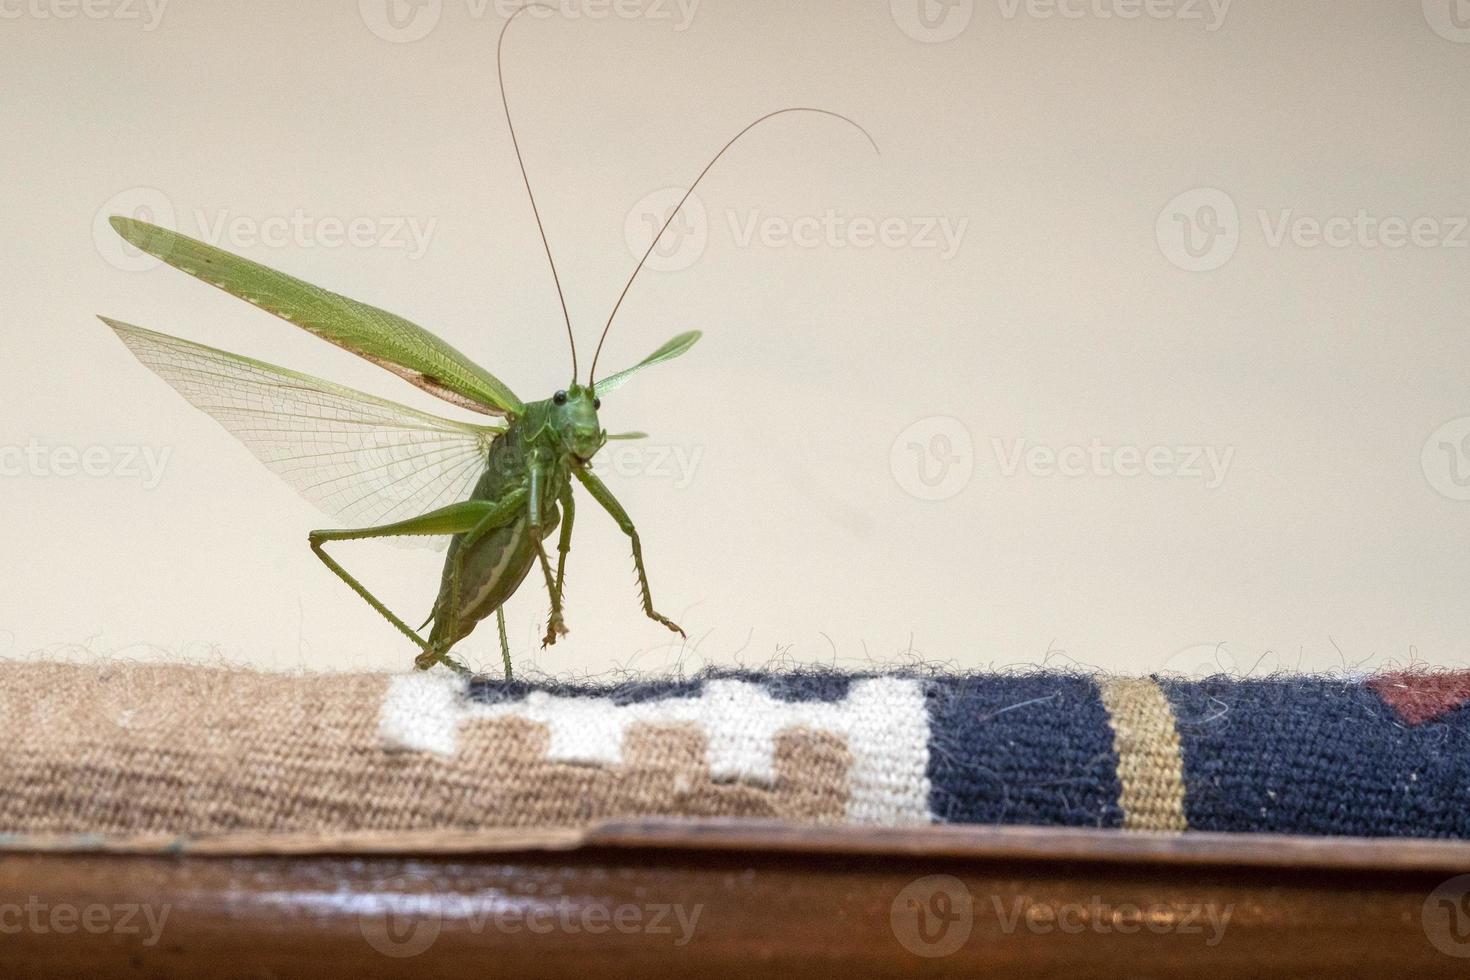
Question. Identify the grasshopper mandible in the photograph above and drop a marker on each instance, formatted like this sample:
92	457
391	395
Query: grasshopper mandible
369	460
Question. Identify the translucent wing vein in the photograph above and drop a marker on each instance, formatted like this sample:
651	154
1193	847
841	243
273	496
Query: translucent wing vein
363	459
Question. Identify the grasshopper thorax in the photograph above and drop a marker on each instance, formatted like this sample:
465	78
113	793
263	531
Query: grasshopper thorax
570	425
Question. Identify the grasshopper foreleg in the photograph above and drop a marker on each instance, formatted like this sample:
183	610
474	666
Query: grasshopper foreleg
609	503
555	625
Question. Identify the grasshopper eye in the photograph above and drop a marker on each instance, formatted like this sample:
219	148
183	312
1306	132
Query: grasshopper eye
560	397
596	403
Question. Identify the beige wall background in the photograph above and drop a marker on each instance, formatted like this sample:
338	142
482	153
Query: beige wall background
1142	345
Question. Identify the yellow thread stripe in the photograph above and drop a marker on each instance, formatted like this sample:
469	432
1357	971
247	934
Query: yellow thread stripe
1150	763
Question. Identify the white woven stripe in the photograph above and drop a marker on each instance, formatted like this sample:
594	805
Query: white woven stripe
421	712
883	720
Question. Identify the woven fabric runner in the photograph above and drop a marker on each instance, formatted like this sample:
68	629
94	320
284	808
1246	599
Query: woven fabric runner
131	748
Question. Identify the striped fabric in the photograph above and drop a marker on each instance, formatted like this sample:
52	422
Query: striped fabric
132	748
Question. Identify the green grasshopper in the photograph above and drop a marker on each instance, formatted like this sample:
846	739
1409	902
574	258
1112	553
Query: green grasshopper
497	490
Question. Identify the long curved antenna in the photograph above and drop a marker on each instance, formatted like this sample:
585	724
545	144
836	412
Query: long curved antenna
592	378
500	74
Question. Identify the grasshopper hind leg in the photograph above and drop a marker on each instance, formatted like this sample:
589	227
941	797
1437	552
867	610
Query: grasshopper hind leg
473	518
454	519
504	644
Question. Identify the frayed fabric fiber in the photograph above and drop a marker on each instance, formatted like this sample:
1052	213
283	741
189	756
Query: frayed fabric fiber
130	748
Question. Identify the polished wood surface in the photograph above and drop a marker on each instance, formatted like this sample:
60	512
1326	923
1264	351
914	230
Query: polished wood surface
738	900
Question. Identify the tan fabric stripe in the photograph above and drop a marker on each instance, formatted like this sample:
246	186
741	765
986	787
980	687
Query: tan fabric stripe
1150	763
130	748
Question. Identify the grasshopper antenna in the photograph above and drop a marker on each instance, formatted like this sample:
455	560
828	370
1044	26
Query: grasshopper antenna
592	378
505	103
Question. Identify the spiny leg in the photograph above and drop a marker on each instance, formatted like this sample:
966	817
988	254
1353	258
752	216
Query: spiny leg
504	643
609	503
554	626
563	545
454	519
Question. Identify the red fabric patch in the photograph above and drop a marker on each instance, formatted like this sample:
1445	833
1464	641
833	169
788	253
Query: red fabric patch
1418	698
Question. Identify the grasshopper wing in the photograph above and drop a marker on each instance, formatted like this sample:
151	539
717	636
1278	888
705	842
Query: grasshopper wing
389	341
364	459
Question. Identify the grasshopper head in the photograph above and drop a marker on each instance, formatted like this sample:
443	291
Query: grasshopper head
574	419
